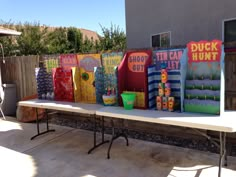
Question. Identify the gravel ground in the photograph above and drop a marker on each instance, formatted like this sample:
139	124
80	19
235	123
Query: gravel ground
202	145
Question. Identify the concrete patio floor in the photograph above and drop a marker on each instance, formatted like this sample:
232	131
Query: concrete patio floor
64	154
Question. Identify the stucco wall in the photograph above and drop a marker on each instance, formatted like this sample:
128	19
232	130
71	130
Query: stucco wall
187	20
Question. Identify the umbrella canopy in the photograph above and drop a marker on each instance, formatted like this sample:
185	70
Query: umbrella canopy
8	32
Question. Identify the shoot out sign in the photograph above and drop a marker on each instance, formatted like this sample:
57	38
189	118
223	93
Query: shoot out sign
137	61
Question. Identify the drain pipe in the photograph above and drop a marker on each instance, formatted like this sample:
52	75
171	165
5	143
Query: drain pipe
1	88
2	53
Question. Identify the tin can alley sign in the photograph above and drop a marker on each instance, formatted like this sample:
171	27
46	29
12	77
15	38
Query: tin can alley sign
171	58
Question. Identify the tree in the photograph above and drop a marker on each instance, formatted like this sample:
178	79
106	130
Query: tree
97	46
112	39
57	41
37	40
32	40
88	46
8	45
75	40
8	42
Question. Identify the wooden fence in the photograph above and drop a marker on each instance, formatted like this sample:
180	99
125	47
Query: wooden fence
20	70
230	81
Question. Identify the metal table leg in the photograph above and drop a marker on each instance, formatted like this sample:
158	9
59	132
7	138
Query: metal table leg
37	121
221	144
115	136
222	151
112	138
95	145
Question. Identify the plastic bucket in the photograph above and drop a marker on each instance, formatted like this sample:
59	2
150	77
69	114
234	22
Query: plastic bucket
128	100
109	100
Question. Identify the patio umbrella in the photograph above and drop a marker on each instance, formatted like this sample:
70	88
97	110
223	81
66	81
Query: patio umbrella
8	32
5	32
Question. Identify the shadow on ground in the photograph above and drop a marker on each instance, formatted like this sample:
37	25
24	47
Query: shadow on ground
64	154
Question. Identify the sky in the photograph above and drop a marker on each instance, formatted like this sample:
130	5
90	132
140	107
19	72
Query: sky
87	14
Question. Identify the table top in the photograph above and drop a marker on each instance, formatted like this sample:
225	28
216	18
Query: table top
62	106
225	122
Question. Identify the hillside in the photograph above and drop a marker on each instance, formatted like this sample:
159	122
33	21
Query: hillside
89	33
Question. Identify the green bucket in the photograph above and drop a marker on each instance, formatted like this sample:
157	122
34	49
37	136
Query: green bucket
128	100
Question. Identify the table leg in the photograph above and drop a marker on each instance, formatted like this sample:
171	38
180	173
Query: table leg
95	145
38	130
125	134
103	129
222	151
226	153
114	137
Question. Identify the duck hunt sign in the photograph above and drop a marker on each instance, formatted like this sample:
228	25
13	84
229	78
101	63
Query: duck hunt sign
203	79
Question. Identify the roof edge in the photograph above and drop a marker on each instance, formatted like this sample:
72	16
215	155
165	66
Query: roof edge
8	32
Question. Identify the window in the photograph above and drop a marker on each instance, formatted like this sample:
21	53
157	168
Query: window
161	40
230	30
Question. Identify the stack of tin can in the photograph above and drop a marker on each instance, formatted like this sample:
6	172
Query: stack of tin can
164	101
